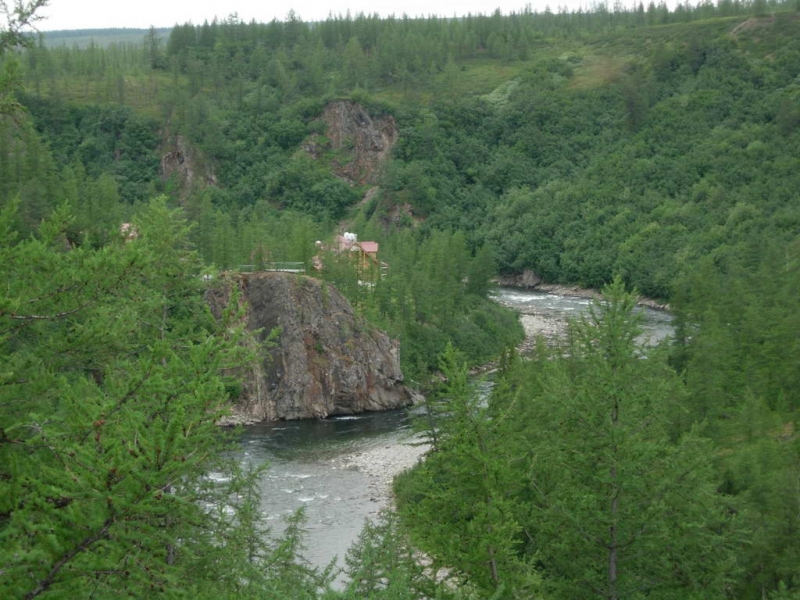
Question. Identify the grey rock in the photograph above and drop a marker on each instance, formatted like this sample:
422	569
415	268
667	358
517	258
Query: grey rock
327	359
362	141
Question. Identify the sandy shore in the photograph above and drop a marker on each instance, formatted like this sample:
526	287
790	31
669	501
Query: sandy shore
383	462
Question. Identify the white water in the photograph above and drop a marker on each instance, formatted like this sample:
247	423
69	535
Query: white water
310	467
555	308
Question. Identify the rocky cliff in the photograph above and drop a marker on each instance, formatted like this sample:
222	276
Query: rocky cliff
361	141
182	160
327	360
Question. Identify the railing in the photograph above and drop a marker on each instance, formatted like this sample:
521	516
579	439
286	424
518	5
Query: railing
283	267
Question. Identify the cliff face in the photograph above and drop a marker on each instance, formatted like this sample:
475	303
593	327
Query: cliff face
362	141
327	360
182	159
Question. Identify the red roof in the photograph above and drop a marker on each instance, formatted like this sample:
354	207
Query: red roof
369	247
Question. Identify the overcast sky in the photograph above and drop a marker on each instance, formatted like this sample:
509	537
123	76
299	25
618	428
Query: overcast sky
94	14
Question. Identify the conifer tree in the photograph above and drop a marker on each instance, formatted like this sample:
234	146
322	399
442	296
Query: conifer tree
617	507
459	499
382	564
109	392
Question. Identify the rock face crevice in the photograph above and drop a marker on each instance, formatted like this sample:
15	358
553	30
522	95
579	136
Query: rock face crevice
326	360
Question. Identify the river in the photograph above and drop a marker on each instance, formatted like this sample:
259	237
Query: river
547	314
339	470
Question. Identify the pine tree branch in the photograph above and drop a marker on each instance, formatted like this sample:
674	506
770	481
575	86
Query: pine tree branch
99	293
45	583
50	317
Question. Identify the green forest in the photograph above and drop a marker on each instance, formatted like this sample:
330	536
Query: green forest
640	150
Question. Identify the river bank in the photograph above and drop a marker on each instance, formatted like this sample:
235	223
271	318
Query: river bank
538	320
382	462
545	312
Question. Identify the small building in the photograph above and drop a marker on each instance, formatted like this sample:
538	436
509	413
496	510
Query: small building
365	253
368	255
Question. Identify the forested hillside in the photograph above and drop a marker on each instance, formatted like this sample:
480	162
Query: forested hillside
656	148
576	145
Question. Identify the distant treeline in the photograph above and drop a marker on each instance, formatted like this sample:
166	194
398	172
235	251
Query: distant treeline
83	38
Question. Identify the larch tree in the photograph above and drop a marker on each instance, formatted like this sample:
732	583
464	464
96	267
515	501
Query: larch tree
460	500
617	507
110	387
19	18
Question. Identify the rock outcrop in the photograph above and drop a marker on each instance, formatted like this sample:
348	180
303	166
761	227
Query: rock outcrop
363	142
181	159
326	361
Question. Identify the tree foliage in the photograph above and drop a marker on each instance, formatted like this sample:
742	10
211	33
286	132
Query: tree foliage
110	389
577	478
658	144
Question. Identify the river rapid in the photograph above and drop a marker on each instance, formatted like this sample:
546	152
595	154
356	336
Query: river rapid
339	470
546	314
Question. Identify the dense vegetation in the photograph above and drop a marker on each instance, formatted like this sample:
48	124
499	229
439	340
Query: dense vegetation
661	147
111	385
594	472
576	145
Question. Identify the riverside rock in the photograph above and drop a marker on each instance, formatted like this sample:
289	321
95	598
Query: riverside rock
326	360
